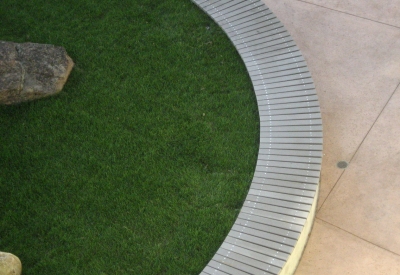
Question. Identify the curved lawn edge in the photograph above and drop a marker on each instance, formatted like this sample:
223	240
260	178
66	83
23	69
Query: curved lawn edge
272	229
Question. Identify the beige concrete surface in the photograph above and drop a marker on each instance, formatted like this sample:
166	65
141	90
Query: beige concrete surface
351	59
353	52
332	251
366	200
384	11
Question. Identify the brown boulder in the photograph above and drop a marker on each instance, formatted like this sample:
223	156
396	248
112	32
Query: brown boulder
9	264
30	71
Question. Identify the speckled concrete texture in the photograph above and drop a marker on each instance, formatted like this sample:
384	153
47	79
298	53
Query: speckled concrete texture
353	52
366	200
384	11
332	251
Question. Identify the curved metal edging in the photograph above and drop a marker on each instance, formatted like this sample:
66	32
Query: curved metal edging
272	228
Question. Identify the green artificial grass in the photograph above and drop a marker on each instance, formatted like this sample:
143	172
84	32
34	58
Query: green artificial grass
142	163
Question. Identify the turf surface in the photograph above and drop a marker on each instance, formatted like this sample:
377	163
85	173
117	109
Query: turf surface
141	164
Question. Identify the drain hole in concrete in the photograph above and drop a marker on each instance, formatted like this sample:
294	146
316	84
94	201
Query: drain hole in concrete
342	164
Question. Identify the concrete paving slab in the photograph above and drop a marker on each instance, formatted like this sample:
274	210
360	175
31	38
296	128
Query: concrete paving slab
365	201
332	251
385	11
355	64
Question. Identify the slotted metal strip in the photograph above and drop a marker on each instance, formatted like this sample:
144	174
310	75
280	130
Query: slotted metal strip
286	94
277	202
239	34
253	259
310	102
225	268
278	239
249	265
277	182
286	176
288	235
251	22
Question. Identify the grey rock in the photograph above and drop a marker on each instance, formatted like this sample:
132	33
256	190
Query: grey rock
9	264
30	71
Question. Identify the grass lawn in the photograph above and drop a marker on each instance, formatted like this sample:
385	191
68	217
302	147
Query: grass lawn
141	164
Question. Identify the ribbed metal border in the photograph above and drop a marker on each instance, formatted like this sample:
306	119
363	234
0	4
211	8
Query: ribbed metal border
286	178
